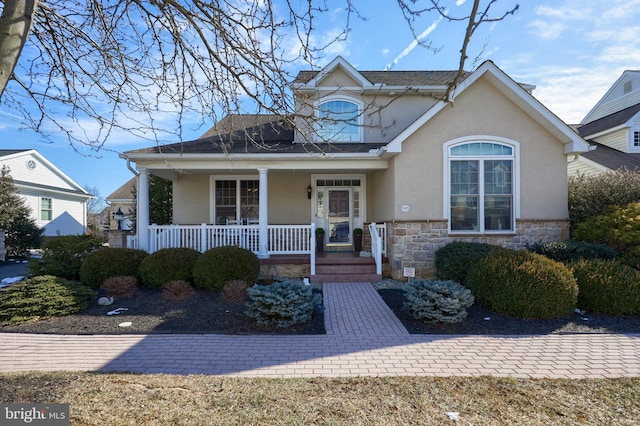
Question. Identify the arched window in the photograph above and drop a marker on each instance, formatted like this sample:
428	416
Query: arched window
482	187
338	121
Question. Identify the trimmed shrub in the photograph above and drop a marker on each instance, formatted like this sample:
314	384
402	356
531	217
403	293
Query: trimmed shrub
607	287
124	287
282	304
437	301
63	256
42	297
166	265
177	290
617	226
631	257
569	251
219	265
590	195
523	284
454	260
110	262
235	291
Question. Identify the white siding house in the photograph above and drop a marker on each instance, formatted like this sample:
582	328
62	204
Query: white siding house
58	204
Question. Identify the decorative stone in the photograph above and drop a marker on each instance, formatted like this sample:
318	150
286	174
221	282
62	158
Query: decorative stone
105	301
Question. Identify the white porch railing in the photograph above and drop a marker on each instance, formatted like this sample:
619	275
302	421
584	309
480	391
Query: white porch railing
283	239
376	246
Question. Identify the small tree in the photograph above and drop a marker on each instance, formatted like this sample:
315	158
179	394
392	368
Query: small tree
22	232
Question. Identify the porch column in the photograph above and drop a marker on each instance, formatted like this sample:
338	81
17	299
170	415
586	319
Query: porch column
263	215
142	209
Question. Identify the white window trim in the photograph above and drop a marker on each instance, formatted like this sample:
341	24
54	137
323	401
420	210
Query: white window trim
40	219
632	132
212	191
446	187
359	103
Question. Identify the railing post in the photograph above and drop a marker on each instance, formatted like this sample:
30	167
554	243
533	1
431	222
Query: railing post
152	236
203	237
312	256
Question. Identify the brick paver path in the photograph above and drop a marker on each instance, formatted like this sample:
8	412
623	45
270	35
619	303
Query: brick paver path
363	338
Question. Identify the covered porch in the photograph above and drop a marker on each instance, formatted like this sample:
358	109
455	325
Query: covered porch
286	244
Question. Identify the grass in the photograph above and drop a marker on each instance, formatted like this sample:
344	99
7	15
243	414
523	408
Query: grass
128	399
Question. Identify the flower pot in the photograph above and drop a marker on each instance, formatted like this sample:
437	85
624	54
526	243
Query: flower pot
320	242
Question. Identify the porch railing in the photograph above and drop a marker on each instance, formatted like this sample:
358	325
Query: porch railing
283	239
376	247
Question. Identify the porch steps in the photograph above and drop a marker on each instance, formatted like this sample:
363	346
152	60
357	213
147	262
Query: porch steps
345	269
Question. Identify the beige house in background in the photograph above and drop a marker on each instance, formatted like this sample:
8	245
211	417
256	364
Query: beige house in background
490	166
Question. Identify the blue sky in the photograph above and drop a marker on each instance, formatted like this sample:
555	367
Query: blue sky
572	50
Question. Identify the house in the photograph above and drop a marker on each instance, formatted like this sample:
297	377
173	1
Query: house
612	127
120	201
382	152
58	204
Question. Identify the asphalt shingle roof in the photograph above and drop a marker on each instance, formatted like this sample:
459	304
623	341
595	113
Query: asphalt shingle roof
609	121
612	158
396	78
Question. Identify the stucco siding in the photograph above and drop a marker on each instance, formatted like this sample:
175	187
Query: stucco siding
191	199
481	110
288	202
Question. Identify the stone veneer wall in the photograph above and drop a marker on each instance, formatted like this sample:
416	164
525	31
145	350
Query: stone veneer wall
413	244
285	270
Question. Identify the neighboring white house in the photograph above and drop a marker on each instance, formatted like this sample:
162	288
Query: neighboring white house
612	127
58	204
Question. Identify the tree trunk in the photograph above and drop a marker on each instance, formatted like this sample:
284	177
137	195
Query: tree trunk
15	24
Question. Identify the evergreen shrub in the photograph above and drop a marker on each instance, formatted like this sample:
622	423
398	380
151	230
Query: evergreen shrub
454	260
63	256
607	287
283	304
110	262
166	265
219	265
569	251
524	285
617	226
42	297
437	301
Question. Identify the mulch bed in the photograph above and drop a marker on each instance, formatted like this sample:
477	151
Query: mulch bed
206	312
148	312
481	321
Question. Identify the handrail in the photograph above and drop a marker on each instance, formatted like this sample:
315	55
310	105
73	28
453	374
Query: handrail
376	247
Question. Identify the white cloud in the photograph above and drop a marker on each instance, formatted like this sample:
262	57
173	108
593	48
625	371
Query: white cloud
547	30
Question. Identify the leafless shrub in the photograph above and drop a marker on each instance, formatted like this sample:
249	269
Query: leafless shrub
123	286
177	290
235	291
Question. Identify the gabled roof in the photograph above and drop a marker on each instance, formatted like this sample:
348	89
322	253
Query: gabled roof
612	158
124	193
516	93
609	122
7	154
378	78
606	106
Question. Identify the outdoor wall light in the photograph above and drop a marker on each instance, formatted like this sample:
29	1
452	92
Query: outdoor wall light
118	217
309	191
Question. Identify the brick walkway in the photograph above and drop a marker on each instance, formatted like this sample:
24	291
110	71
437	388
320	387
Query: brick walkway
363	338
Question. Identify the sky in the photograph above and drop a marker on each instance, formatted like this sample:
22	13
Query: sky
571	50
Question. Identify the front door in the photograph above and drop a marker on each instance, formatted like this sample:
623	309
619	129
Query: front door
339	215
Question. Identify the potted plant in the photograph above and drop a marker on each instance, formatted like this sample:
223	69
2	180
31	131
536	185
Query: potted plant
357	239
319	239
